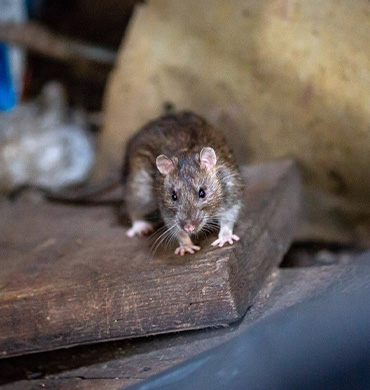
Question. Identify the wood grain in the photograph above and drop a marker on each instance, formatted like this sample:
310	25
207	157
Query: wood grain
129	361
70	276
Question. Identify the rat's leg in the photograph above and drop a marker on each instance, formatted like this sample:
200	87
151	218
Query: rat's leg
186	245
140	201
227	222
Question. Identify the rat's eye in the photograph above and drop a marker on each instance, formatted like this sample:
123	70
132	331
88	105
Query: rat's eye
202	193
174	196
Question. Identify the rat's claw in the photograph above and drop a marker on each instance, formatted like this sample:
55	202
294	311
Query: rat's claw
139	228
181	250
223	240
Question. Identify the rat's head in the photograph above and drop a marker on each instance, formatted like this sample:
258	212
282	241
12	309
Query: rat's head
190	193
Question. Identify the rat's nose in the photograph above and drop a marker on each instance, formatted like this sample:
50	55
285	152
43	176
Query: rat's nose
189	226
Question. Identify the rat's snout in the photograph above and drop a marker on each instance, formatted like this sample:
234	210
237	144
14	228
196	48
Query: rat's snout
189	226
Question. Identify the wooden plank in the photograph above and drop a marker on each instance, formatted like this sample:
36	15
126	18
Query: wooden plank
69	384
70	276
129	361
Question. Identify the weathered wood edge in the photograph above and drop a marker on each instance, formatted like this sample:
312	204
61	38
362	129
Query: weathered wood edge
140	358
279	225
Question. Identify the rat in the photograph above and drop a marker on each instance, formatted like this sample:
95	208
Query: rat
182	165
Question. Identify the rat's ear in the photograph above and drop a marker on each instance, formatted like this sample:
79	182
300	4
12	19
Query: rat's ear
164	164
208	158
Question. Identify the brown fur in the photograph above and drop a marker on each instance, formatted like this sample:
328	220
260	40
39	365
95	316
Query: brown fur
180	137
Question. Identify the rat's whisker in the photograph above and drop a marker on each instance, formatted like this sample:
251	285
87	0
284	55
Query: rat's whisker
171	236
163	237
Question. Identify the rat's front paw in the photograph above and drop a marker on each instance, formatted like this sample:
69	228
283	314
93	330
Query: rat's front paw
182	249
224	239
139	228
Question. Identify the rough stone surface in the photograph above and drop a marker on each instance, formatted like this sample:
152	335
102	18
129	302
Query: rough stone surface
282	78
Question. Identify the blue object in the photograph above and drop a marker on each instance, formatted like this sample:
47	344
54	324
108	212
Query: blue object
7	92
